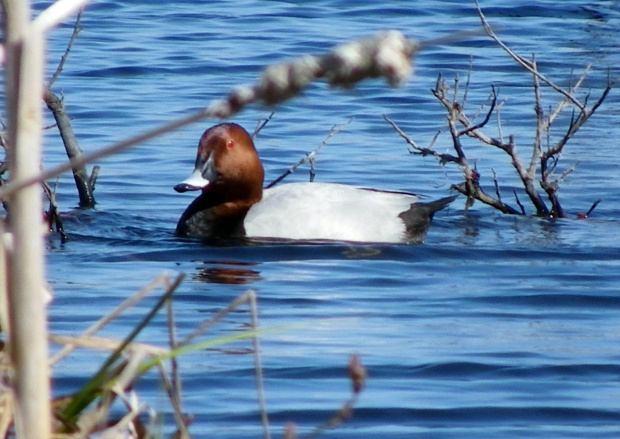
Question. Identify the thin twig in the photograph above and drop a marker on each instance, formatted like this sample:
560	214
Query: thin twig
519	202
540	125
496	183
525	63
563	103
486	119
76	31
469	70
443	158
499	121
311	155
261	124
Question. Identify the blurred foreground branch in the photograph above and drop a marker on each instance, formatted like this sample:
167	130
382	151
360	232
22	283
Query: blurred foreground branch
388	54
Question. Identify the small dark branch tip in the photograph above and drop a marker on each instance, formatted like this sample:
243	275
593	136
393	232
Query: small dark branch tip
357	373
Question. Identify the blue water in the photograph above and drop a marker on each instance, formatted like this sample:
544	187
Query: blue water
495	327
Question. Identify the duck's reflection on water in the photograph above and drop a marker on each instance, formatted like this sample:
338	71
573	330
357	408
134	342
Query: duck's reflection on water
227	272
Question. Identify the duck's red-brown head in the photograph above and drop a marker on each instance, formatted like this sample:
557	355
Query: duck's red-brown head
227	165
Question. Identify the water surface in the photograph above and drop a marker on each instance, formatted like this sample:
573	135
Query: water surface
496	326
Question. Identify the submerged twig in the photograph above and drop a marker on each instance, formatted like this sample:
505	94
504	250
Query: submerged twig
357	375
53	213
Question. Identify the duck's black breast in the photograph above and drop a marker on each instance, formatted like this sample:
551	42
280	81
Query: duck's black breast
203	220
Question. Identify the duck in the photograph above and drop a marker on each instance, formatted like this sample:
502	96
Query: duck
233	204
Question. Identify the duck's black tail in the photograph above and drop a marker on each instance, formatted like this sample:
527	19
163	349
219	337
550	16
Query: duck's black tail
418	218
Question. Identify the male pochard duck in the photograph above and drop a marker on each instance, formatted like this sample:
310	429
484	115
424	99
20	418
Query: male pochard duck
234	204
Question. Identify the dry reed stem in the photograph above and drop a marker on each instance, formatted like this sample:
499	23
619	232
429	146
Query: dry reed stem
27	315
6	410
123	429
4	311
258	369
358	375
96	418
173	385
175	401
248	297
162	279
105	343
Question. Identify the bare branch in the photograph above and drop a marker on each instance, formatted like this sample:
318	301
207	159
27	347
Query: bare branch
576	125
76	31
74	152
540	125
496	183
480	195
519	202
525	63
486	119
440	93
565	101
443	158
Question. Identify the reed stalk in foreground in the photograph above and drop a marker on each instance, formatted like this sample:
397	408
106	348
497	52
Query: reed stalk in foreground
26	308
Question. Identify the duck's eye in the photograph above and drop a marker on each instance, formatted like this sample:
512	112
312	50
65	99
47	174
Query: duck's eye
230	143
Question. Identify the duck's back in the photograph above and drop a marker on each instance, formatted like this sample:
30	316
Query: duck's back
327	211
